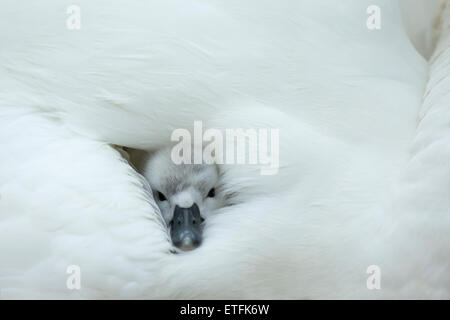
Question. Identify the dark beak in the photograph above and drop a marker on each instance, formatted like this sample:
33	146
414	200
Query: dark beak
186	231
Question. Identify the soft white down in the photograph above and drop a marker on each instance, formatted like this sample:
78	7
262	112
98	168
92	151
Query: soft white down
364	173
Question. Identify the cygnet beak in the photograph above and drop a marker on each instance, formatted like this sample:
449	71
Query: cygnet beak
186	232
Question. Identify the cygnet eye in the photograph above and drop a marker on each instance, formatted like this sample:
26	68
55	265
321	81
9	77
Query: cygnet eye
161	196
212	193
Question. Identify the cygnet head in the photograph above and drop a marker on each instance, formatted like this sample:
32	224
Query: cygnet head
186	194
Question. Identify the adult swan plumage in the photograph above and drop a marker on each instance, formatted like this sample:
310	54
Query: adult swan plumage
364	163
